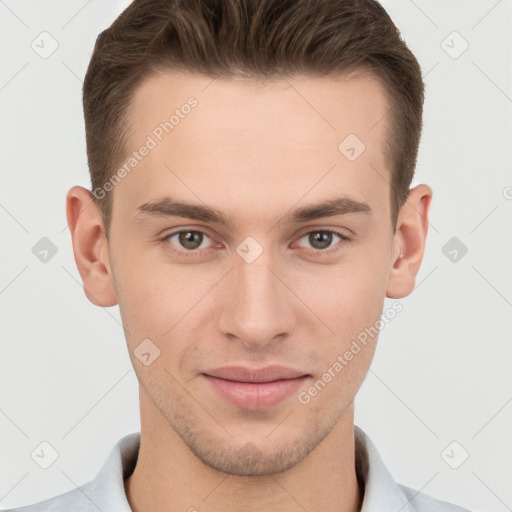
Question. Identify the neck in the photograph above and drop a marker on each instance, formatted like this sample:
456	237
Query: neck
168	477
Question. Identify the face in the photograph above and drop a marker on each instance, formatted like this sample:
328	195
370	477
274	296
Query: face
261	283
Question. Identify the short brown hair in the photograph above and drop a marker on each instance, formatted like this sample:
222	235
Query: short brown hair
255	39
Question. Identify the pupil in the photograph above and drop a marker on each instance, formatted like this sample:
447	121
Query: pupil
321	236
190	239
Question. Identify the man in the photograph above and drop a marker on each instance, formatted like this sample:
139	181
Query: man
250	211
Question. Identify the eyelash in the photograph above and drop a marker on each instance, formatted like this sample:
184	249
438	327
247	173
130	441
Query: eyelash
315	252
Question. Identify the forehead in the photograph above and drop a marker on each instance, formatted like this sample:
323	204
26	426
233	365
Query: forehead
333	106
220	140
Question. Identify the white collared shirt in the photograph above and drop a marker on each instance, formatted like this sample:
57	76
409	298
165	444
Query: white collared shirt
106	492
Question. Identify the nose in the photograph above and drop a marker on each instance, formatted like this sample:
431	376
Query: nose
257	307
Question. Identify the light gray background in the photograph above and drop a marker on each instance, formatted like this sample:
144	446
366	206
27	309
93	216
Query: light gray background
443	367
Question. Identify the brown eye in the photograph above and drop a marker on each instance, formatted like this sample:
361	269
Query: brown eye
187	241
322	241
190	239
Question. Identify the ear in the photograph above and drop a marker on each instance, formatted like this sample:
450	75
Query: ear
90	246
409	242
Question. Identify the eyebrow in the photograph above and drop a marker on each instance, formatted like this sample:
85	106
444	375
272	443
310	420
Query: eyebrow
169	207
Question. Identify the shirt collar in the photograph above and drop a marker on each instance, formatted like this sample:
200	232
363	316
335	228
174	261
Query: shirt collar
108	491
381	492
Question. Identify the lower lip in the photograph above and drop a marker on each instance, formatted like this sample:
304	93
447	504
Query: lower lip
255	396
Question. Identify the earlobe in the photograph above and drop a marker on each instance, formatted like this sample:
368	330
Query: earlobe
409	242
90	246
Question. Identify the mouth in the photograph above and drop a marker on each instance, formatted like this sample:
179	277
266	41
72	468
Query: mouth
269	373
255	389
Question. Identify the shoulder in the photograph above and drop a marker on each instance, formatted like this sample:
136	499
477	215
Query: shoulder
382	492
421	502
77	500
105	492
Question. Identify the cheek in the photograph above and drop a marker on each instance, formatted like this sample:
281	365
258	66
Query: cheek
164	303
348	296
151	304
144	294
351	308
158	300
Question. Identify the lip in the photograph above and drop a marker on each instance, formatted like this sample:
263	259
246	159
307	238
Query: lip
255	389
244	374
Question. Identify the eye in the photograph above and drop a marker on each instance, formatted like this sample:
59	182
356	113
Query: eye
188	239
321	240
190	242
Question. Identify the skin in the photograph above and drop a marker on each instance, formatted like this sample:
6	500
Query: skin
254	151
